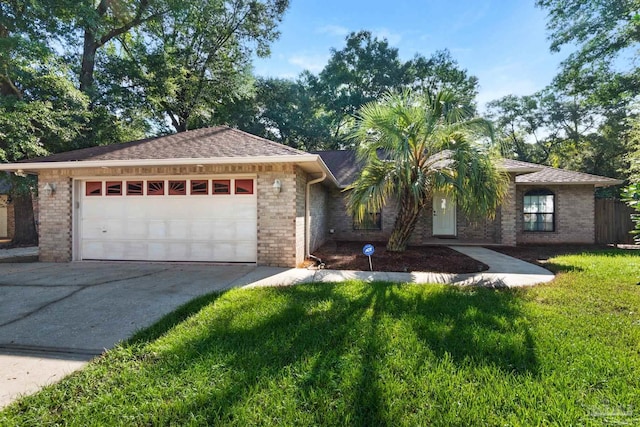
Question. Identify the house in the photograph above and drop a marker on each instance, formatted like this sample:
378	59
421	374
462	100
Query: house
6	209
223	195
544	205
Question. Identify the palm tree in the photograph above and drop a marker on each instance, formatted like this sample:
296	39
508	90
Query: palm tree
414	144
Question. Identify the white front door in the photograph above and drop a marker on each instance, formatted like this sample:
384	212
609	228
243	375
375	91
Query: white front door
444	215
3	216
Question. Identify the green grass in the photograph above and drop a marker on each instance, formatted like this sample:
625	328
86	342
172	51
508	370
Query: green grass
565	353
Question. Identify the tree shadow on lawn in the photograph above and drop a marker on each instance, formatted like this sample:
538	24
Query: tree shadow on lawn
560	267
336	345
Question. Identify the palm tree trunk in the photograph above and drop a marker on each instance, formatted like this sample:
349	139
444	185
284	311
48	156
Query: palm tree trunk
408	214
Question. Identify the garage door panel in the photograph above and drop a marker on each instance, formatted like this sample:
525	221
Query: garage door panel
201	230
169	228
245	230
178	229
245	251
136	249
136	228
92	249
157	229
201	251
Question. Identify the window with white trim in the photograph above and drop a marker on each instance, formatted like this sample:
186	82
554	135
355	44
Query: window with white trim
539	210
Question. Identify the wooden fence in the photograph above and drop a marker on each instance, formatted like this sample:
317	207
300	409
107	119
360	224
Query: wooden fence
613	222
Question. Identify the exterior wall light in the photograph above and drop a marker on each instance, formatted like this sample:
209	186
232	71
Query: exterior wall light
277	186
48	189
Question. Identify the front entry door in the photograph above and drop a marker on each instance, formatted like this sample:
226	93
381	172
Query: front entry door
444	215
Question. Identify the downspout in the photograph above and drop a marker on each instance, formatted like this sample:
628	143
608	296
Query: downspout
307	214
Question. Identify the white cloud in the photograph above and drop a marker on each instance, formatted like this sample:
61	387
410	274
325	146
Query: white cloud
334	30
384	33
314	63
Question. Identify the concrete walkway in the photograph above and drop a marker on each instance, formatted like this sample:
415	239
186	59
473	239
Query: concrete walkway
28	254
504	272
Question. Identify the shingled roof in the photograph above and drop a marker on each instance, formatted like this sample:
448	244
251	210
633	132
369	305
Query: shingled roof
548	175
344	166
206	143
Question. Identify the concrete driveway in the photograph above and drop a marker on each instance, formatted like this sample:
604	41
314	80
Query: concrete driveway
56	317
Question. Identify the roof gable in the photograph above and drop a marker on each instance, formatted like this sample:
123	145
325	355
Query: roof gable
205	143
548	175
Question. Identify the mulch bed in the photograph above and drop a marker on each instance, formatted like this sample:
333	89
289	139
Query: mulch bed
437	259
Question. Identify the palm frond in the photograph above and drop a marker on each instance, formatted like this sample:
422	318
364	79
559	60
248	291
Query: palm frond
428	142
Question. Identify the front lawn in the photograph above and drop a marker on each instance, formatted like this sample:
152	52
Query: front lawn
565	353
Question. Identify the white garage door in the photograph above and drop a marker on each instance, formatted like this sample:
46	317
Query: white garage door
168	220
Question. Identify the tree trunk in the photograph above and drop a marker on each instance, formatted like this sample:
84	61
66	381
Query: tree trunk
25	226
88	62
405	223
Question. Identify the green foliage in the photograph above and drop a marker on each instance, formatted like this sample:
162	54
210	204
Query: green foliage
602	30
582	120
47	114
558	130
195	58
519	120
367	68
564	353
412	144
140	64
633	149
631	196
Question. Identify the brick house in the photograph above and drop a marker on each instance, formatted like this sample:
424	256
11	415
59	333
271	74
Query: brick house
223	195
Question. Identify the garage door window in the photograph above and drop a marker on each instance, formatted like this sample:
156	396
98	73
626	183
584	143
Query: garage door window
244	186
199	187
114	188
177	188
134	188
94	189
221	186
155	188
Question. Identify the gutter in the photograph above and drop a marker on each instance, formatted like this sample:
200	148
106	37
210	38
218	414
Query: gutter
79	164
307	214
594	183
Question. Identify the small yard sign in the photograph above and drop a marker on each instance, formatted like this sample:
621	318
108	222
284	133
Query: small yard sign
368	250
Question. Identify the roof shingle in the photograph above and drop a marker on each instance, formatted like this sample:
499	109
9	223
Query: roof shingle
215	142
549	175
344	166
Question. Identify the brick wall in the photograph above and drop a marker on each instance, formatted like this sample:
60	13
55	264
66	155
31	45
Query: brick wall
574	215
477	230
277	218
301	182
318	215
55	218
342	223
508	215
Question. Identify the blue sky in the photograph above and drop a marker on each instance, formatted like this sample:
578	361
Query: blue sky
502	42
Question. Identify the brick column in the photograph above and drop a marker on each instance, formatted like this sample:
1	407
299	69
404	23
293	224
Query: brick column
277	222
508	214
55	219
